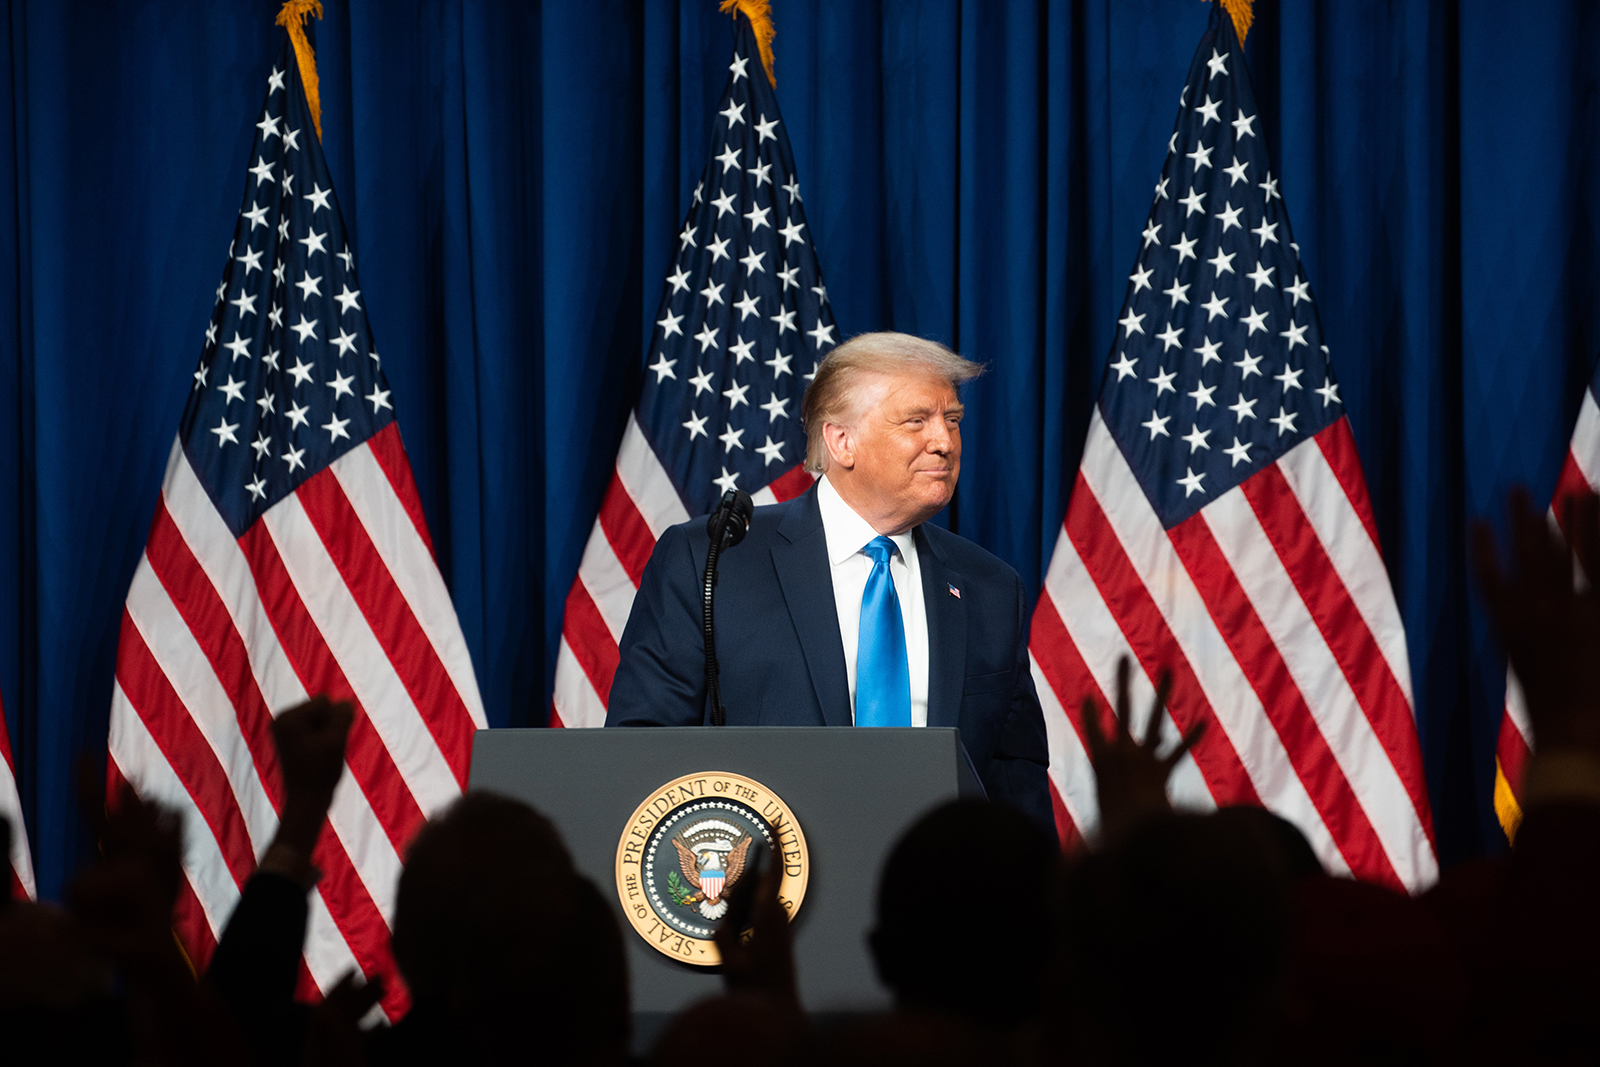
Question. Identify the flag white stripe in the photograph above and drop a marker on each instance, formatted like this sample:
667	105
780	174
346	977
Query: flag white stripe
145	767
646	481
1101	644
609	585
11	808
575	699
351	818
1238	710
1070	769
1585	453
411	565
180	658
1322	685
360	655
363	839
1585	448
1355	558
1517	708
228	571
327	954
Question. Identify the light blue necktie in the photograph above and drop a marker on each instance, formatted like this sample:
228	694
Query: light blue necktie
883	680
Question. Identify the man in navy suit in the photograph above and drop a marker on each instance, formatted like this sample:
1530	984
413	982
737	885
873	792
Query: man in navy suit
844	606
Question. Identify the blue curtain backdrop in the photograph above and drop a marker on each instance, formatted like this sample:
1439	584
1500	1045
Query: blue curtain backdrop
976	172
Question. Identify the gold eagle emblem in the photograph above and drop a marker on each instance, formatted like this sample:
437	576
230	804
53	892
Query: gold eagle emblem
711	875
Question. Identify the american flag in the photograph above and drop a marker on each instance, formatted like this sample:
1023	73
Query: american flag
1220	525
744	318
289	556
21	861
1579	474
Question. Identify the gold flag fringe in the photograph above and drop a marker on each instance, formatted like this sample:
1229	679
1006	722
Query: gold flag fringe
292	17
1506	807
1242	16
759	12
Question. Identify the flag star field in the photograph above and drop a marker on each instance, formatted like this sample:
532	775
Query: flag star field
1219	366
744	314
288	379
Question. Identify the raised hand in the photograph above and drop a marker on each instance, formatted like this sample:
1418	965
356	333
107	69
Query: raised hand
758	956
310	740
1550	626
333	1029
124	900
1130	779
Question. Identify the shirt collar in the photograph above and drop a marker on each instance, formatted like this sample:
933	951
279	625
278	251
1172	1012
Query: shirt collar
846	531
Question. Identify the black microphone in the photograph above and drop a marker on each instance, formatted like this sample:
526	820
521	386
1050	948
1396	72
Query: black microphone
732	517
726	526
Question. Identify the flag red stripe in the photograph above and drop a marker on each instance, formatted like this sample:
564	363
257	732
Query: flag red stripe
1285	706
19	834
350	905
626	531
1339	448
590	640
189	920
1513	752
306	990
370	762
555	717
359	921
1343	629
357	918
1069	679
5	743
391	619
185	748
1570	483
1064	667
1154	645
791	483
348	902
390	453
196	600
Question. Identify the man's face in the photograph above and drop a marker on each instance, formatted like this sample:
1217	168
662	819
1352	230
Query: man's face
905	450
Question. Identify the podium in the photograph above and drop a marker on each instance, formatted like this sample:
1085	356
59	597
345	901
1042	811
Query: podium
852	792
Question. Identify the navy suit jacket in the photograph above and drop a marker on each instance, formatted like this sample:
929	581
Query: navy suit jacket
782	659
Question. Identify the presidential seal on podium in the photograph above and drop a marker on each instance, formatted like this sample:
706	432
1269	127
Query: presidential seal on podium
686	848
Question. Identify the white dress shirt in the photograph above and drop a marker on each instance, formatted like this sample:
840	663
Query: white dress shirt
847	534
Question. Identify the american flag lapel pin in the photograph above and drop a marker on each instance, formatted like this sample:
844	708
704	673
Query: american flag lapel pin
953	590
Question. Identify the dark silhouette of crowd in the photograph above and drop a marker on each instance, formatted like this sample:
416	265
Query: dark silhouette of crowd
1188	938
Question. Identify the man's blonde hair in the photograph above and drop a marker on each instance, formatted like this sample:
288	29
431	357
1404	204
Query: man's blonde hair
835	392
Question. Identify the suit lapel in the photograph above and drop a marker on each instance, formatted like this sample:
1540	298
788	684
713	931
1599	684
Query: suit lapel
800	557
947	633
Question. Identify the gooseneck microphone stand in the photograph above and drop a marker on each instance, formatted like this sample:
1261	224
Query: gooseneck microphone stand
727	527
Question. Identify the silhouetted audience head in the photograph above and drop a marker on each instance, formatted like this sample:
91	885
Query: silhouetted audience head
1373	981
964	914
1279	840
901	1040
752	1024
57	997
504	944
1175	944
